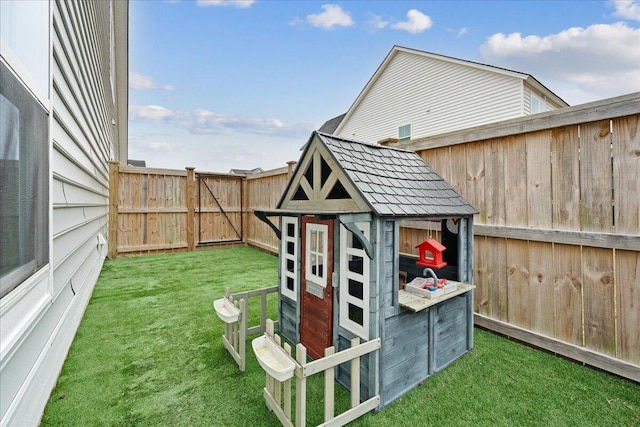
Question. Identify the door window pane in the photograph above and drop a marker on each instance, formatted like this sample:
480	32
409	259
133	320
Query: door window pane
316	253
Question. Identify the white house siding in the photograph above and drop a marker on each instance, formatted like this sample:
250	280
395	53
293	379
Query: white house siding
41	316
434	96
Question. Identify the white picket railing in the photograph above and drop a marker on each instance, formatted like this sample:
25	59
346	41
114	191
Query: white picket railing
236	333
278	394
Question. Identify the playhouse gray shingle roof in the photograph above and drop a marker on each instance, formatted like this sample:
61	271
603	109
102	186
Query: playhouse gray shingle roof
396	182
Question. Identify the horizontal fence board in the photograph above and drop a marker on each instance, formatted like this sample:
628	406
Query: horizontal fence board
151	171
143	248
158	210
596	240
580	354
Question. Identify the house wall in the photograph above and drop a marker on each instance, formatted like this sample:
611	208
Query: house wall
40	316
434	96
528	91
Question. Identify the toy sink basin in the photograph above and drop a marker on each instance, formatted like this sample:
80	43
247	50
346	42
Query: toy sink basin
273	359
226	311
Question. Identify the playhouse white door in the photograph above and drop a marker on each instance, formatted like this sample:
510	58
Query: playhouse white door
316	330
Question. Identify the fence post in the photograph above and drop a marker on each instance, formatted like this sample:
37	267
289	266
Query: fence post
301	388
355	376
287	388
191	208
114	186
244	208
329	393
243	333
290	165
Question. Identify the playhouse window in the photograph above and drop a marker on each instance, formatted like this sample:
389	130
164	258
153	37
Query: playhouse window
354	282
289	258
317	244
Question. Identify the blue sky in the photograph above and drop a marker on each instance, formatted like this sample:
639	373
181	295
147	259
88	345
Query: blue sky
218	84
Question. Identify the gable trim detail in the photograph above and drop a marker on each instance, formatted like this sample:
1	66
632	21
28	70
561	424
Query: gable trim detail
320	185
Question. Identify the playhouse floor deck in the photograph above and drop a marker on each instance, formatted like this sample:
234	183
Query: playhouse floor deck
149	352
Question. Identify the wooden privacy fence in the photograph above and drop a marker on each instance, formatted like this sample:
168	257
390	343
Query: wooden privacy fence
161	210
557	240
278	395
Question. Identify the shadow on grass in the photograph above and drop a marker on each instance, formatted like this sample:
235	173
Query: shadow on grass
148	352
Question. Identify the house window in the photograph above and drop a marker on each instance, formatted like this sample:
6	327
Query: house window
354	282
537	104
24	34
24	183
317	254
404	133
289	258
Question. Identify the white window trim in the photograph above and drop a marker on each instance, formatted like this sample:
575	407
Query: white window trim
345	274
284	257
542	104
324	230
406	138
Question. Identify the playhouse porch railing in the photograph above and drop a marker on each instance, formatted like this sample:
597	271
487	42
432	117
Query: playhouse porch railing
277	394
236	333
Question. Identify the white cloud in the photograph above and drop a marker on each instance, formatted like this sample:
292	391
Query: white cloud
175	149
332	16
203	122
593	63
242	4
459	33
416	22
208	122
141	82
627	9
149	112
155	145
376	23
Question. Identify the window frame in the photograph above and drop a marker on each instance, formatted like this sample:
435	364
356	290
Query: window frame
33	234
541	106
407	136
321	255
347	251
285	257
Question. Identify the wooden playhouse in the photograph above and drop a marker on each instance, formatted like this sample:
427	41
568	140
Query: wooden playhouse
340	267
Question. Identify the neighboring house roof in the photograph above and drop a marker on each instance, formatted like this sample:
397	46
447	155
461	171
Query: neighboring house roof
391	181
137	163
330	125
245	171
530	80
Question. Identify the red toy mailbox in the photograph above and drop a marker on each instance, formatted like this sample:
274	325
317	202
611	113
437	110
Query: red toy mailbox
431	254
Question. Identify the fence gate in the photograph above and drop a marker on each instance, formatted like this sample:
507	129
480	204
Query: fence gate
219	210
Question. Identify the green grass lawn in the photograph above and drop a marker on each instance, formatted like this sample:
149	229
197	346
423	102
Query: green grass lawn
148	353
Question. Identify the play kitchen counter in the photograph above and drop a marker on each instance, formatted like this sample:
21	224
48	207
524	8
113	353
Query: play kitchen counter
417	303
